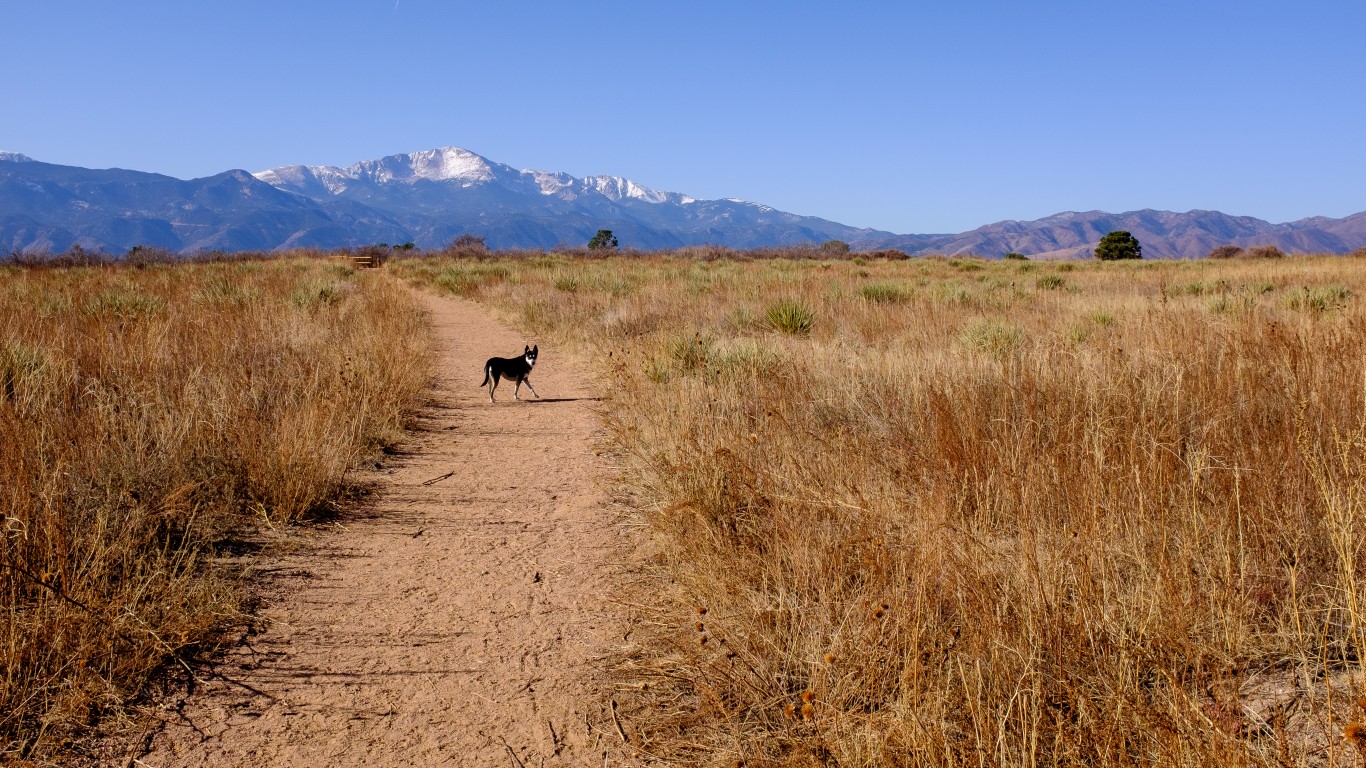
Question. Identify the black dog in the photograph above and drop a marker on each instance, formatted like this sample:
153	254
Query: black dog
513	369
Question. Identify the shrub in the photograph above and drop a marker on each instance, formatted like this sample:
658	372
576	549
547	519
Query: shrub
890	254
147	255
835	248
1013	256
1264	252
467	245
1225	252
75	256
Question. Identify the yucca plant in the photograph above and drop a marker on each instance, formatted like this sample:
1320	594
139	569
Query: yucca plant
790	316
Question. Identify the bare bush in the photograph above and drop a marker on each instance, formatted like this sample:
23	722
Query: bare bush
1225	252
1263	252
890	254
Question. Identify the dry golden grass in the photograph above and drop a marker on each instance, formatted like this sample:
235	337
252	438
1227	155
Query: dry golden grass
977	513
150	417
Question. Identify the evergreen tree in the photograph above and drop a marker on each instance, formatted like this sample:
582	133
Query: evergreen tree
604	239
1119	245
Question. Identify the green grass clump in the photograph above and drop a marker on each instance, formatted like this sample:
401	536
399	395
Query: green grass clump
316	293
690	353
992	336
790	316
467	278
887	293
125	303
567	282
1050	282
1318	299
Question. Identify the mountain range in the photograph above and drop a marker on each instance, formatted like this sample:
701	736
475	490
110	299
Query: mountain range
431	197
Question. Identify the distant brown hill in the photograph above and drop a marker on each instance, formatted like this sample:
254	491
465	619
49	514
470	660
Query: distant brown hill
1164	234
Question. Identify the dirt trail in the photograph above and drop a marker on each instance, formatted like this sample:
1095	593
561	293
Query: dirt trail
459	618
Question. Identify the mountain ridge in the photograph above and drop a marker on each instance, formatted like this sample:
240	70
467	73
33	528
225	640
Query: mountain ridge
1164	234
430	197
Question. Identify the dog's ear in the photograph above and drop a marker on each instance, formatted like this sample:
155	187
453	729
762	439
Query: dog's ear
536	349
525	349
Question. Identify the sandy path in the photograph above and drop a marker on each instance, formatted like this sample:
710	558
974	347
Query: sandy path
456	619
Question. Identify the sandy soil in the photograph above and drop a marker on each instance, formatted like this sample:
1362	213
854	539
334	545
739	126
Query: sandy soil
459	617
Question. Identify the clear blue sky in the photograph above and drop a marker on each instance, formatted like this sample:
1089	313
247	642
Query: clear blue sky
909	117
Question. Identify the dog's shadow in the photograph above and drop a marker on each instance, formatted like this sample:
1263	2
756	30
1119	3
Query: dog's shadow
564	400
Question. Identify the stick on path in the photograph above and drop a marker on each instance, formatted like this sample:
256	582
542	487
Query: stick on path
456	620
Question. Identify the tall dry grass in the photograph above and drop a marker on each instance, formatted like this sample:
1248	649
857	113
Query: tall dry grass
975	513
149	420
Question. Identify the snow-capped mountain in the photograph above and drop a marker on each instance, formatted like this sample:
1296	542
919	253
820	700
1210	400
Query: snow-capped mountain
46	207
439	194
449	164
461	167
429	197
432	197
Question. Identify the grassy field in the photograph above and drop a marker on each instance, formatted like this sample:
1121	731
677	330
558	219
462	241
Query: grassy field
956	512
923	512
150	420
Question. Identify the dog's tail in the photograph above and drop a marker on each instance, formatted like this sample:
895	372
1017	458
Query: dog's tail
488	371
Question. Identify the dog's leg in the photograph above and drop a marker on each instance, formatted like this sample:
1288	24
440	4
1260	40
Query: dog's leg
527	382
493	386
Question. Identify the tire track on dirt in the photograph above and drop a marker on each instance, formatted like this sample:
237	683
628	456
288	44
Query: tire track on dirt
460	617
